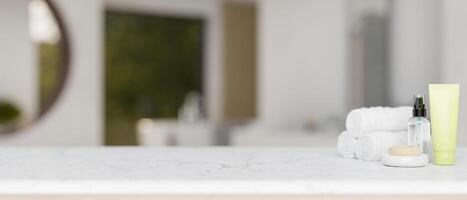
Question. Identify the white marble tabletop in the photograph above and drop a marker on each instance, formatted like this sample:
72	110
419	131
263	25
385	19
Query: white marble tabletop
133	170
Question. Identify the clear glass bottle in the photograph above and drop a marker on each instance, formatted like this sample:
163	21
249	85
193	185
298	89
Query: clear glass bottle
419	127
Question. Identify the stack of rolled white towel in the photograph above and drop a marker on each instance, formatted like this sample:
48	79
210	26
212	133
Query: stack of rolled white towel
371	131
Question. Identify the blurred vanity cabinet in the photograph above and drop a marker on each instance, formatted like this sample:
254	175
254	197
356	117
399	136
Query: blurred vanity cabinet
160	132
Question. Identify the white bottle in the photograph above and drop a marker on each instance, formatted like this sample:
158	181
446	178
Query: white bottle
419	127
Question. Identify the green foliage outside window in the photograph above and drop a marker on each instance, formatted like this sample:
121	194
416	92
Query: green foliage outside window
8	112
49	55
151	63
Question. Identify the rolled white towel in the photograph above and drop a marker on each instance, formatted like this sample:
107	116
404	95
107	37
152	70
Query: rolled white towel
371	145
346	145
378	119
354	134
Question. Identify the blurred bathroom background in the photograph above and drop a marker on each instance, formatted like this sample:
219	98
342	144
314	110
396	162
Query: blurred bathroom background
218	72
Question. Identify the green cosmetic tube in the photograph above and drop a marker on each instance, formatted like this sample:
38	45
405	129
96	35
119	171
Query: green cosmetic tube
444	108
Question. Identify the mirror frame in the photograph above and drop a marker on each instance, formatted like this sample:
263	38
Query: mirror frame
63	63
63	72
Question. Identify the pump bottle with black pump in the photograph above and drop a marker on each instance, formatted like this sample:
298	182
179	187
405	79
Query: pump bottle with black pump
419	133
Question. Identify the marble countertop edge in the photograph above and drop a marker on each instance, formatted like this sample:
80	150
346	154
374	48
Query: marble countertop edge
237	187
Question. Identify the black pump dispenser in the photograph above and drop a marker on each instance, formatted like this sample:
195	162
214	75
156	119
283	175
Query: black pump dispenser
419	106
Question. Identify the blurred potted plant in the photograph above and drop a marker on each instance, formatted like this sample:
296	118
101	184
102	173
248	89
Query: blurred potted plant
9	116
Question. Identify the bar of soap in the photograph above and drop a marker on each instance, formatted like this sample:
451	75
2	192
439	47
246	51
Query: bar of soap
405	150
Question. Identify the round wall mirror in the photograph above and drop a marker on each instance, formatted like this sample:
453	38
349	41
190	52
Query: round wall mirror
34	61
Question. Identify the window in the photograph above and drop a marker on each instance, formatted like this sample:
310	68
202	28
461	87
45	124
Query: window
151	64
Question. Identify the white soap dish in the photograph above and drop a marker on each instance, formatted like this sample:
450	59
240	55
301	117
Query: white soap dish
404	161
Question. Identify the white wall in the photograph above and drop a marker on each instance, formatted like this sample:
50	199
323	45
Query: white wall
431	43
302	61
454	54
415	48
76	118
18	69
